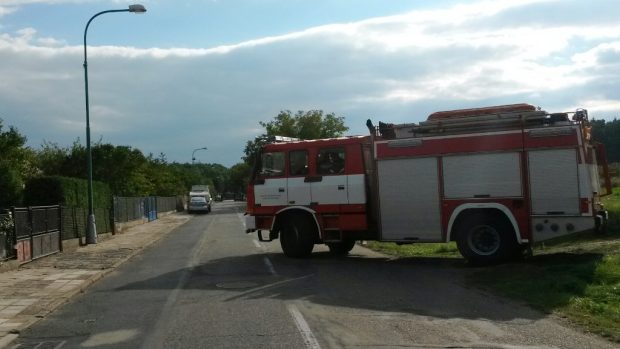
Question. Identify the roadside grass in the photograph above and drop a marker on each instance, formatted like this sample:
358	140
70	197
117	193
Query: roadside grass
576	277
612	204
581	284
448	250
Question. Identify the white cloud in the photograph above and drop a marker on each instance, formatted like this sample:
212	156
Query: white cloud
396	68
6	10
602	105
50	42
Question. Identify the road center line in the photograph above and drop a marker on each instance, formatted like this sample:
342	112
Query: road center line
304	329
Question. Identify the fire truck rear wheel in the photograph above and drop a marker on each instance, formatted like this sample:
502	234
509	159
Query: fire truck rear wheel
341	248
297	236
486	239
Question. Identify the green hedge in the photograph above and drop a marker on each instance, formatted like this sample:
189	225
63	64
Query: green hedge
72	192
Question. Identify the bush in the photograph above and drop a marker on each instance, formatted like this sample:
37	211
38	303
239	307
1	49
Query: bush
6	232
65	191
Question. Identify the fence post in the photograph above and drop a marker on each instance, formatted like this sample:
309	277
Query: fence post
112	215
60	227
14	237
30	229
114	205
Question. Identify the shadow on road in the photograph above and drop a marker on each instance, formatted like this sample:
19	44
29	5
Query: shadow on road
424	286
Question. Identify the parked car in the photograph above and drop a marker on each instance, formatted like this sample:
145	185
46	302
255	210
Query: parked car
199	204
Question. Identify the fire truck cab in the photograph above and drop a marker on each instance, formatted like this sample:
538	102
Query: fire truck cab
494	179
309	192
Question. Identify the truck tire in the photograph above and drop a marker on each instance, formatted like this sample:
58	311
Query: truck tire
341	248
297	236
486	239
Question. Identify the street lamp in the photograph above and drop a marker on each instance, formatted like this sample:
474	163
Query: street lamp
194	152
91	229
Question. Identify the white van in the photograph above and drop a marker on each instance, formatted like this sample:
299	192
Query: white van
199	199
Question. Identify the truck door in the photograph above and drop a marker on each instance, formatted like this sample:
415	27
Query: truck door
329	186
298	187
271	183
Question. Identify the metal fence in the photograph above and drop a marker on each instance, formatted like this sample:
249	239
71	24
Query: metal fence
128	209
167	204
37	231
75	219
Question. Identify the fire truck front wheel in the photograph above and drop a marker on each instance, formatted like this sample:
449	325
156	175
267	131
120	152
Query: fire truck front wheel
297	236
486	239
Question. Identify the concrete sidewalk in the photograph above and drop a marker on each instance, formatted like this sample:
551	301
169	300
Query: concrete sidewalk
35	289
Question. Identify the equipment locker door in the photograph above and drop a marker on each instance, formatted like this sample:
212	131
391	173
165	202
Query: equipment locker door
554	182
409	200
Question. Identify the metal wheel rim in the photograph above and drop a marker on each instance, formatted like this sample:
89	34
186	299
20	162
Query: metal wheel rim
484	240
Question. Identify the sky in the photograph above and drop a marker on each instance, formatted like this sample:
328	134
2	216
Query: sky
190	74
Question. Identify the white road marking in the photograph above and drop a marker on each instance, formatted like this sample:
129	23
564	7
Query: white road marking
240	216
269	265
257	244
304	329
46	344
260	288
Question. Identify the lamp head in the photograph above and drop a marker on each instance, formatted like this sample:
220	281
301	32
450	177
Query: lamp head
137	8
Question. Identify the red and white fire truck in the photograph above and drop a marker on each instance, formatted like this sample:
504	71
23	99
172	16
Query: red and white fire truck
494	179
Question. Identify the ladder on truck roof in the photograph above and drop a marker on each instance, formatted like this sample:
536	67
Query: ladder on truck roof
488	119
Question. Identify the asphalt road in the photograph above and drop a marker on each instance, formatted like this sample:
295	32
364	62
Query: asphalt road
209	285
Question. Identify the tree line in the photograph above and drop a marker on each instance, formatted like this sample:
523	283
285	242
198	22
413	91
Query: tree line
608	133
126	170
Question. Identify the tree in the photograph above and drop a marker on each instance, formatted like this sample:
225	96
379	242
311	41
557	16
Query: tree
608	133
163	177
239	175
310	124
51	158
16	165
124	168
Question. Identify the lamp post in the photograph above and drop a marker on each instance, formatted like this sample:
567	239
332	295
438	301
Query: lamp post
194	152
91	229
